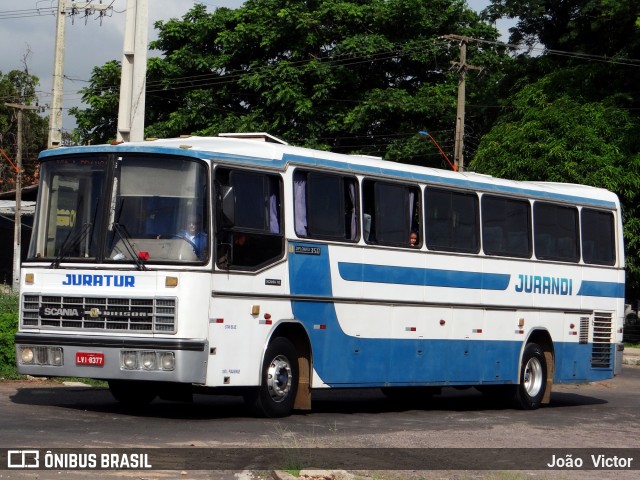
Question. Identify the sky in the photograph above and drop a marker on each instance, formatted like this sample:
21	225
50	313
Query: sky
27	34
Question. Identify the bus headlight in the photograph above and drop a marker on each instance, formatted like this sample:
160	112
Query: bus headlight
167	361
26	355
55	357
129	360
37	355
148	360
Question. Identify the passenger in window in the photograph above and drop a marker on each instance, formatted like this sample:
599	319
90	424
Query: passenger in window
194	234
413	239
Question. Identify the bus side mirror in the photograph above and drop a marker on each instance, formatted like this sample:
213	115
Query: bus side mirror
228	206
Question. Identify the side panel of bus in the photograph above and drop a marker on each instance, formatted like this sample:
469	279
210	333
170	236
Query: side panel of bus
415	320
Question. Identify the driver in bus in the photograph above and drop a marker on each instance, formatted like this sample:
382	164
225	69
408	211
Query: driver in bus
194	234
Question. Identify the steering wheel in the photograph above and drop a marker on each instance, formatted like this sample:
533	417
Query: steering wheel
181	237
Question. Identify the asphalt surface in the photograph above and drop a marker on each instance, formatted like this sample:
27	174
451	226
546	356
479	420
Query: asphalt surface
364	417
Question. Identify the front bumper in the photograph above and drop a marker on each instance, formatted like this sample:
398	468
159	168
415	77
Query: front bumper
191	356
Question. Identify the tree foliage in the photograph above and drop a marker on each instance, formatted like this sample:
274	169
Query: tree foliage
349	76
19	87
98	123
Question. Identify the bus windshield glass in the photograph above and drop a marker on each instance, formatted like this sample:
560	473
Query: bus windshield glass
115	209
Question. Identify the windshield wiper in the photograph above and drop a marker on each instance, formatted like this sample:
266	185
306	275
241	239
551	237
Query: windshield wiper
126	240
121	230
72	241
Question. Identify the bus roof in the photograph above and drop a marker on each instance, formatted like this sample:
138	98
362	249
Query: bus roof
274	154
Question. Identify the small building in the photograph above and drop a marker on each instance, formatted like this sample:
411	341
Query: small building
7	224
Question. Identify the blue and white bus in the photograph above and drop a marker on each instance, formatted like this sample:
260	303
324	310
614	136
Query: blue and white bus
313	270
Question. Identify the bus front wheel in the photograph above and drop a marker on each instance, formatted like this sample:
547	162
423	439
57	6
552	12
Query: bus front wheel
533	378
275	396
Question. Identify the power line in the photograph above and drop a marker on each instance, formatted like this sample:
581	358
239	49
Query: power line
631	62
27	13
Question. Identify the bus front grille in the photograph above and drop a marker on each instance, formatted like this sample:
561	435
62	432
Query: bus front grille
144	315
601	354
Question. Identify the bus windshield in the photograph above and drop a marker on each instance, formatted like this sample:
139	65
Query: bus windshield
114	209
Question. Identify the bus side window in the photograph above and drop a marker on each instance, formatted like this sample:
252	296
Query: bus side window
598	237
392	213
248	219
555	230
325	206
452	220
504	218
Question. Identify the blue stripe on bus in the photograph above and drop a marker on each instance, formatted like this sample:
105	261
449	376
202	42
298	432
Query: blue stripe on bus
345	360
430	277
590	288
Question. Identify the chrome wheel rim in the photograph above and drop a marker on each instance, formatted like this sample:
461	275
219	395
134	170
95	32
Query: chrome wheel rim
533	377
279	378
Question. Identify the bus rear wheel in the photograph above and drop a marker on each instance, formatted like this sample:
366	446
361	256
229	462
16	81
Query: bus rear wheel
279	382
533	378
133	393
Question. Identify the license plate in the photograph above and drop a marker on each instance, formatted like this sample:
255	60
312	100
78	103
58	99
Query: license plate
90	359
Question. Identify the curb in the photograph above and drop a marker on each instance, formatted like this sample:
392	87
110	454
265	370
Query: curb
631	356
280	475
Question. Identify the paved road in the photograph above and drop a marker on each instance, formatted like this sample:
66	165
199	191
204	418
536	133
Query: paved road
599	415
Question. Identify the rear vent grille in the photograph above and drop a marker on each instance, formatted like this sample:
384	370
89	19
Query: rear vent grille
601	355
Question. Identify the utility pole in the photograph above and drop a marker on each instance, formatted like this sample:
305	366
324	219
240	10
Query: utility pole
458	158
17	229
134	73
55	117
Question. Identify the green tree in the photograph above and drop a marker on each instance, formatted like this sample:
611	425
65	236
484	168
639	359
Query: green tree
99	123
19	87
349	76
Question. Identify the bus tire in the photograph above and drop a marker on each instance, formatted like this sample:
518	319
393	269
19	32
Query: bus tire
279	383
132	393
533	378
